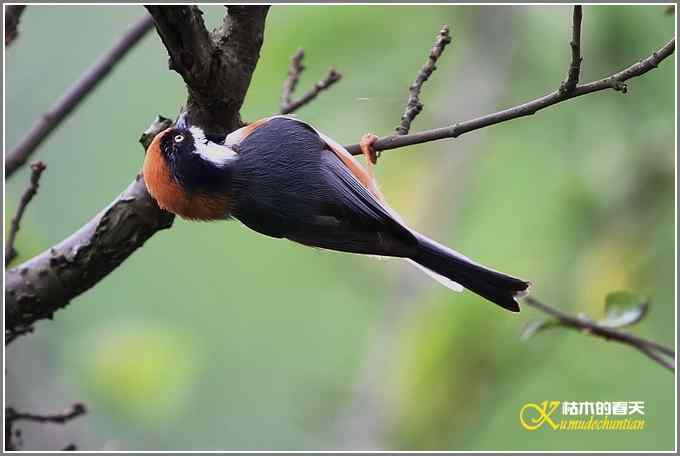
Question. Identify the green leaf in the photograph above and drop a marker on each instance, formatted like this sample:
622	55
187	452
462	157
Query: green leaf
534	326
623	308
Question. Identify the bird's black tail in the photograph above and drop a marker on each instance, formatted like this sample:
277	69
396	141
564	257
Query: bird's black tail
492	285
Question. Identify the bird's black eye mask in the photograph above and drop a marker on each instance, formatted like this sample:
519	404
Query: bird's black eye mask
190	170
177	142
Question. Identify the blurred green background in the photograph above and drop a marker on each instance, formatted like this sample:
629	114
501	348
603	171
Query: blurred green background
214	337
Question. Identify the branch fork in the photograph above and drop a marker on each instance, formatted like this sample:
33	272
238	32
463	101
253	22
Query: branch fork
573	74
289	106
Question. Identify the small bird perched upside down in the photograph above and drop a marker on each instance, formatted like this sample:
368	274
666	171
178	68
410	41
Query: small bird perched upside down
282	178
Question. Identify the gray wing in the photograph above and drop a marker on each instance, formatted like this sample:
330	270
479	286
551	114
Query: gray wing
353	220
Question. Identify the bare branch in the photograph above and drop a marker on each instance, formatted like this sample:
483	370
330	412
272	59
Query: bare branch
37	169
414	105
38	287
186	39
74	96
12	15
72	412
650	348
569	84
217	68
615	81
331	78
242	33
656	357
12	416
296	68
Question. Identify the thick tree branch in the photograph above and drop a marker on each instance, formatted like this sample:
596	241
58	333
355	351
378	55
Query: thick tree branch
217	67
12	15
187	41
615	81
414	105
74	95
241	38
37	169
575	66
650	348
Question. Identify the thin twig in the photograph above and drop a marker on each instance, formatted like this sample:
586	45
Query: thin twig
72	412
614	81
575	66
12	416
296	68
654	356
331	78
37	169
12	15
648	347
414	105
74	96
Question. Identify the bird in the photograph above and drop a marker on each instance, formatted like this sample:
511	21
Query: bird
283	178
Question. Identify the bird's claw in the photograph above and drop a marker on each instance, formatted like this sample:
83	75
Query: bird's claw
367	149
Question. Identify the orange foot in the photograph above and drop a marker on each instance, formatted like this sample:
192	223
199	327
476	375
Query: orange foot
369	152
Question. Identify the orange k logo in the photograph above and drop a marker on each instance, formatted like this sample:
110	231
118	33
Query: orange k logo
532	421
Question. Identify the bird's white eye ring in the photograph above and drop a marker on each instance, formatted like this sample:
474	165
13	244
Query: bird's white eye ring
179	138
